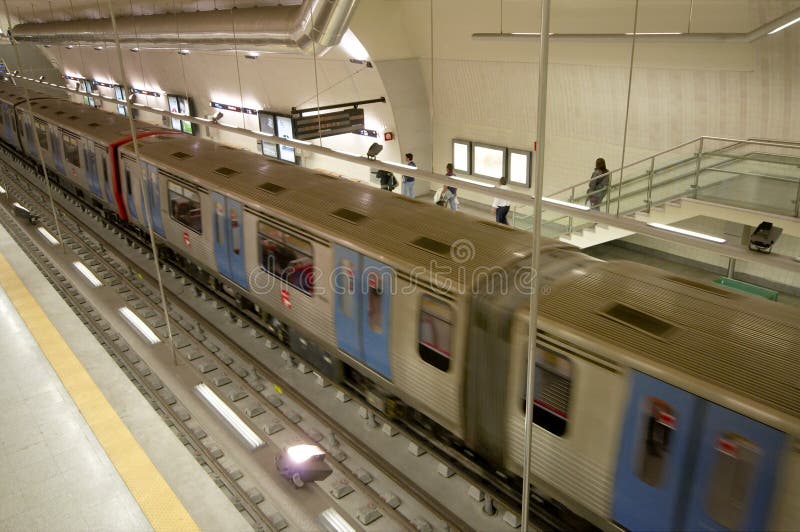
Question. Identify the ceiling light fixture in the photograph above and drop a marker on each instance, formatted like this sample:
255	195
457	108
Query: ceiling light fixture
687	232
135	49
183	52
565	203
781	28
655	33
251	55
98	48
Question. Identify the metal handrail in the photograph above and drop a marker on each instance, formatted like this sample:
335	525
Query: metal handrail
736	143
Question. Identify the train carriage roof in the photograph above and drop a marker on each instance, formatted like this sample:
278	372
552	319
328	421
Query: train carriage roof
452	247
747	346
101	126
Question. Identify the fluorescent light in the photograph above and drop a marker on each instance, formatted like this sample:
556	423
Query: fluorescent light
251	55
302	453
135	49
139	325
18	206
335	521
565	203
474	182
50	238
86	272
779	28
2	190
183	52
687	232
230	416
353	46
655	33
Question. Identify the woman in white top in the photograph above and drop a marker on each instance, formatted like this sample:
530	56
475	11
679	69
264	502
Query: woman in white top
500	205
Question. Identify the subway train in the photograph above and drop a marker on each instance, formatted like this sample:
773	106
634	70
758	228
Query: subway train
660	403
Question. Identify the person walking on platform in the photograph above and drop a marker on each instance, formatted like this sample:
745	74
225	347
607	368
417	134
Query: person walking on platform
501	206
407	187
598	184
453	200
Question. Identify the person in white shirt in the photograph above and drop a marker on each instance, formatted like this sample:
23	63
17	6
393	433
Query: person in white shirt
500	205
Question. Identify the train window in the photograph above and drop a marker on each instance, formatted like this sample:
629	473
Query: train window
235	233
551	390
655	440
286	257
347	292
41	132
71	151
435	328
374	302
732	477
219	220
184	207
128	186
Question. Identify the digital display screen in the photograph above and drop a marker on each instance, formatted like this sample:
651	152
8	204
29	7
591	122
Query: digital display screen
519	167
179	105
461	156
266	123
488	161
284	127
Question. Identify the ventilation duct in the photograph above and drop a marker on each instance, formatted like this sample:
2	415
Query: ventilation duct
316	24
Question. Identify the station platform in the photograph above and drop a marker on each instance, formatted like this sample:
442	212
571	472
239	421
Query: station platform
80	448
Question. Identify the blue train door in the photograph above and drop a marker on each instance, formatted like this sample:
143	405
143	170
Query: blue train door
91	169
654	455
152	199
57	149
734	477
229	238
362	293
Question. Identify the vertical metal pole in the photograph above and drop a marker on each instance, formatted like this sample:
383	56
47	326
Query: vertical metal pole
650	183
731	267
697	169
142	190
571	219
541	122
627	107
797	201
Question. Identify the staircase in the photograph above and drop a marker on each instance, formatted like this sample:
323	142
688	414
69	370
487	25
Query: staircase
742	181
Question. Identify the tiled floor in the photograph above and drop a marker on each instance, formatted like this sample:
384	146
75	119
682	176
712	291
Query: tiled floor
55	473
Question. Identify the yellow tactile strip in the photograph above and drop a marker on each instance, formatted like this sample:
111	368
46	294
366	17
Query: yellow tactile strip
156	499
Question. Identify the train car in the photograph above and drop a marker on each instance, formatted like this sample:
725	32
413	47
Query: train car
79	146
11	99
660	403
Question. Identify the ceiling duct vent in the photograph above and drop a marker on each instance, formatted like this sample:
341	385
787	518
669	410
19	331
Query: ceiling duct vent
181	155
349	216
434	246
639	320
272	188
72	117
59	113
312	26
94	124
225	171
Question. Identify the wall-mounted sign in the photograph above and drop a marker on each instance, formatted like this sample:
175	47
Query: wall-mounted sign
328	124
488	161
146	93
234	108
461	156
180	105
103	84
367	133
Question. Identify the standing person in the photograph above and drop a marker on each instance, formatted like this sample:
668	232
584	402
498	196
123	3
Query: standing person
598	184
501	206
453	201
408	182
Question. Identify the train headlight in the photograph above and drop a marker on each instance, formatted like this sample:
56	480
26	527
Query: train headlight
303	463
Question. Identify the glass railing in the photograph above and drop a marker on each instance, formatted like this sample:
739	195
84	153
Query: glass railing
756	174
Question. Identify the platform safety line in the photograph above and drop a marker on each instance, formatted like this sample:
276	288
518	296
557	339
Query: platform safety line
158	502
